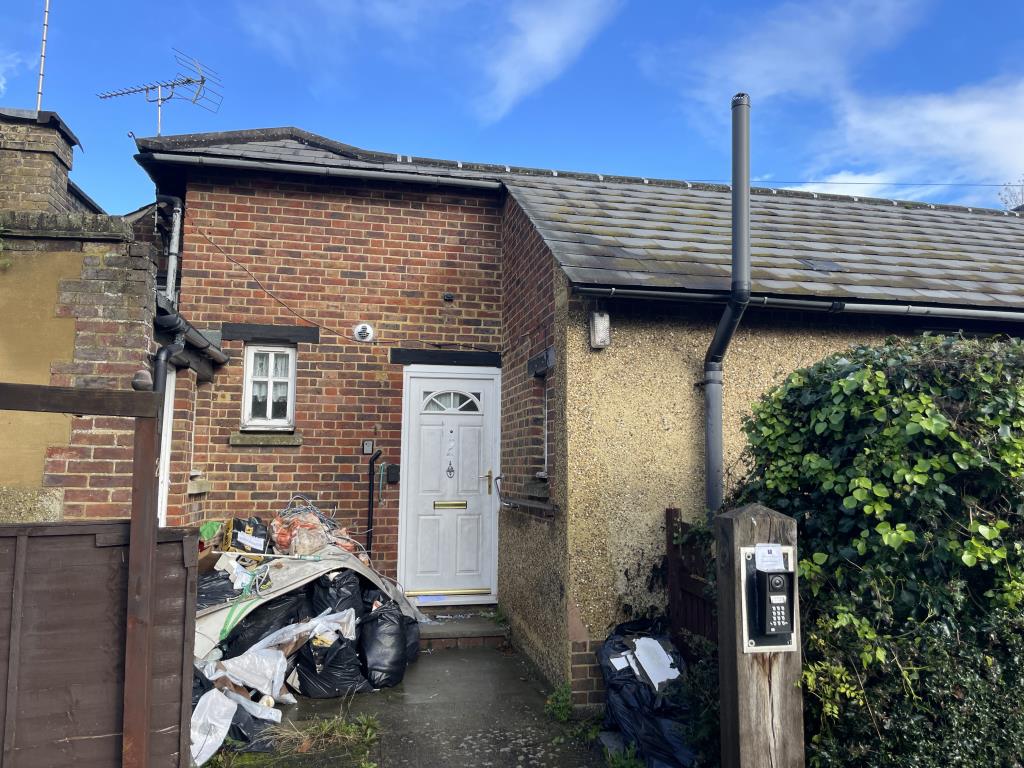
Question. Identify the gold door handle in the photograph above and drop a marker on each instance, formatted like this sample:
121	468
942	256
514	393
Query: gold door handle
490	480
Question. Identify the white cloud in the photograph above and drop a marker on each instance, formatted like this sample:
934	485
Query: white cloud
544	38
806	56
9	63
798	49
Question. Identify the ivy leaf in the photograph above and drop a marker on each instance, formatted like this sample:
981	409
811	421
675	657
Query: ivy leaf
988	532
819	558
880	490
969	560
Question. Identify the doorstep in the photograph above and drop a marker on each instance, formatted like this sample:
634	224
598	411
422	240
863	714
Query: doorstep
461	627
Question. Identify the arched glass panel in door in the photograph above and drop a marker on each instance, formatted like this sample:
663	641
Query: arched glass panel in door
451	401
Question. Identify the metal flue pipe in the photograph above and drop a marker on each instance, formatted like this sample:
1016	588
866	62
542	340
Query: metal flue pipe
739	297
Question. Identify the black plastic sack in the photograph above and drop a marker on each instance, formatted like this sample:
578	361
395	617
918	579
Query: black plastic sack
649	721
200	685
412	639
330	673
336	592
214	588
244	728
291	608
251	731
371	596
382	646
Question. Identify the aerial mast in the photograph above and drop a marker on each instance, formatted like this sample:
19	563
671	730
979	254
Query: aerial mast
42	56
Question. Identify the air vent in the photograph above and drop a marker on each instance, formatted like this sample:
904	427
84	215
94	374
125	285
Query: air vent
364	332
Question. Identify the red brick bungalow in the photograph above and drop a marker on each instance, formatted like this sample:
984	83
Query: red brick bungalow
439	312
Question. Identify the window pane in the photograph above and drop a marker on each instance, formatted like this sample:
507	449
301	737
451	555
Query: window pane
259	399
280	366
279	408
261	366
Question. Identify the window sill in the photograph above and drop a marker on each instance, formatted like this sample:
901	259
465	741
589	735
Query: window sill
279	439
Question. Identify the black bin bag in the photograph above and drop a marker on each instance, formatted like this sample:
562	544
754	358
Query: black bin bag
412	639
646	719
291	608
382	648
330	672
336	592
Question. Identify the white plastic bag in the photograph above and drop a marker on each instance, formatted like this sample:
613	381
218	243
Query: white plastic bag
260	668
211	720
255	709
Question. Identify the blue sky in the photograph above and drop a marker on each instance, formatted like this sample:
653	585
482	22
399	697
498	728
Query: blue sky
866	91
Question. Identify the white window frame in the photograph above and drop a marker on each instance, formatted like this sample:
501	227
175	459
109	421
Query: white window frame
249	422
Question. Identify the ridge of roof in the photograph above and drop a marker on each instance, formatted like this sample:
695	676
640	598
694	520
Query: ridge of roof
507	174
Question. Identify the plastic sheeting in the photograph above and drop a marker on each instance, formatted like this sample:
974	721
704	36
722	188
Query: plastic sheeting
211	720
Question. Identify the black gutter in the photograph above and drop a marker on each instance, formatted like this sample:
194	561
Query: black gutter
175	324
734	308
812	305
145	159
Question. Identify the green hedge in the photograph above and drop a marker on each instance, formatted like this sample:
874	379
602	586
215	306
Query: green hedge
904	467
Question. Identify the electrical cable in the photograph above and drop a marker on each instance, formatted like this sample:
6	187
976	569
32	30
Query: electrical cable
321	326
275	297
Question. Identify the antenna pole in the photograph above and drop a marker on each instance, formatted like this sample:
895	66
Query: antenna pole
159	108
42	56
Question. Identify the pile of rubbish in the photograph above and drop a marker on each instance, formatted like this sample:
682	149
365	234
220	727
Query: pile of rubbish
293	607
638	663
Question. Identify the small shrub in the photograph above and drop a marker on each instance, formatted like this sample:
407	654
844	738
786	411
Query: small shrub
627	758
558	705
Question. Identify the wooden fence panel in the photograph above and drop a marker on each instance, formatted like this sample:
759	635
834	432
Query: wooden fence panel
691	607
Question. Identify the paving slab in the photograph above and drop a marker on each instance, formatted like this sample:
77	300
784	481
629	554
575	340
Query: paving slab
465	708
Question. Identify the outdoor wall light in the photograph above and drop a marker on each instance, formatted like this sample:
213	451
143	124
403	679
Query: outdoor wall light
600	330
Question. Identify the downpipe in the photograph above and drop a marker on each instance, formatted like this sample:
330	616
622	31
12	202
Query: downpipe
739	298
369	500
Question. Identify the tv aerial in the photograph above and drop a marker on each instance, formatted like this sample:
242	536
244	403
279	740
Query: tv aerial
194	82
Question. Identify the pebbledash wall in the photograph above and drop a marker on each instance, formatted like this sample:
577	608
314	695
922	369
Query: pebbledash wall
635	429
338	255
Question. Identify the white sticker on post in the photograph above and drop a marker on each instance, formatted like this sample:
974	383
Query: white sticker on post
768	557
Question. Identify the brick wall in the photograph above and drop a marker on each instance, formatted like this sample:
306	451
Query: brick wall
528	306
112	303
338	255
34	164
109	300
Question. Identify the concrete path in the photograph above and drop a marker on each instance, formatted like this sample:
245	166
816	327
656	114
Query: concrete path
467	708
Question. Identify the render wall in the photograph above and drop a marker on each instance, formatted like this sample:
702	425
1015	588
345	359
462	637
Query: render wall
76	311
635	429
338	255
532	532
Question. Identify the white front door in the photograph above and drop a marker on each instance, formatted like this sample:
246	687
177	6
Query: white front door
448	532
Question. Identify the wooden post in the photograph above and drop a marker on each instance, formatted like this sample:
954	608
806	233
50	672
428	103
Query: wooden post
138	657
761	701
